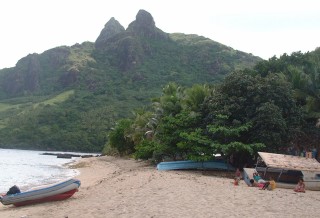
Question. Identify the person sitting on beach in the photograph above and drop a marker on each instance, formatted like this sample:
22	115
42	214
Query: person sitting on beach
253	183
258	178
262	186
272	184
300	186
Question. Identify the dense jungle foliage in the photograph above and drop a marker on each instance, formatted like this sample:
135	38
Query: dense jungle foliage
273	107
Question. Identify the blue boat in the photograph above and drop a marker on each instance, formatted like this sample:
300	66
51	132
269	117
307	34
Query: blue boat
195	165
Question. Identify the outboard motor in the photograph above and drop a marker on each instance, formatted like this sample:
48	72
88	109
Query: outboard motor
13	190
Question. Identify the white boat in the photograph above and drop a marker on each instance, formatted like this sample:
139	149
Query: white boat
286	170
53	192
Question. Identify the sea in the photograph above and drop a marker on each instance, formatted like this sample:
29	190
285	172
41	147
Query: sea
27	169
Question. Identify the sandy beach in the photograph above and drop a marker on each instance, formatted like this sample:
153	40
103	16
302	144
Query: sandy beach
118	187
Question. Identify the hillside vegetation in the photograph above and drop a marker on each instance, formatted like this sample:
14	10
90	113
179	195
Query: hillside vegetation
69	98
274	107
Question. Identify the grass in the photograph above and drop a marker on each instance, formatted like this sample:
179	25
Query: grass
54	100
7	109
5	106
57	99
80	56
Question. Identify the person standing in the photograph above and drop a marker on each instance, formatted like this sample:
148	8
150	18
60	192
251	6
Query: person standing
237	177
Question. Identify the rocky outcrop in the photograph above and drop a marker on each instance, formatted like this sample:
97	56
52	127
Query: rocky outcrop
123	52
112	28
33	74
70	155
144	25
128	46
24	77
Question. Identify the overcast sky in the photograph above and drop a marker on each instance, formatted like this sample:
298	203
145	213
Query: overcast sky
262	27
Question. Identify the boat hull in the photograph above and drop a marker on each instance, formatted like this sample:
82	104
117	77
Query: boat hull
194	165
58	191
58	197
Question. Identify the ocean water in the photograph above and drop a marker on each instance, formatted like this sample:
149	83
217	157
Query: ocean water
27	169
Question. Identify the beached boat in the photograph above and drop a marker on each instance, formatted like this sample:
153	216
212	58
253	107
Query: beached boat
286	170
53	192
189	165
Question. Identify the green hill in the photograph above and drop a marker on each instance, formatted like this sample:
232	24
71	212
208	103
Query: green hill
67	98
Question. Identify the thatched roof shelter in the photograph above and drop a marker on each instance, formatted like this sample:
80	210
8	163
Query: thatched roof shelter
289	162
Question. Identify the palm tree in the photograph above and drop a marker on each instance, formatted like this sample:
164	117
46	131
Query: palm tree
195	96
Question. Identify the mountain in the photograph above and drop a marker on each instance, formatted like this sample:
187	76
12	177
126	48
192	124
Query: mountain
68	97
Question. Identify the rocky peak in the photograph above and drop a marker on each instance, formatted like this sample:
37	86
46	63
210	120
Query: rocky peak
145	25
112	28
143	20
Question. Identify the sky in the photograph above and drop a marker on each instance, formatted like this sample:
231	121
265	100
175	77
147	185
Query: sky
265	28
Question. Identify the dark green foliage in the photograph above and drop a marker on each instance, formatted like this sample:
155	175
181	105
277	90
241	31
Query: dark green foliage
172	132
266	103
118	138
246	113
70	126
196	145
230	138
303	72
150	149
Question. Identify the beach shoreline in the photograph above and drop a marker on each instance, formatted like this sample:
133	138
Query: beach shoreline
123	187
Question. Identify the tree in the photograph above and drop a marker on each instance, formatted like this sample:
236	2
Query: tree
170	101
229	139
195	96
118	139
266	103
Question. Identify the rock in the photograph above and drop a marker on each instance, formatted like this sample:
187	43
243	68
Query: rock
62	155
144	25
86	156
112	28
67	156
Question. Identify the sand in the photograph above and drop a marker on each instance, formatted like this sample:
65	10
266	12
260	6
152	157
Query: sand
117	187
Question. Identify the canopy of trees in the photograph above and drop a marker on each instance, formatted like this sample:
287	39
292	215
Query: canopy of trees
269	108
